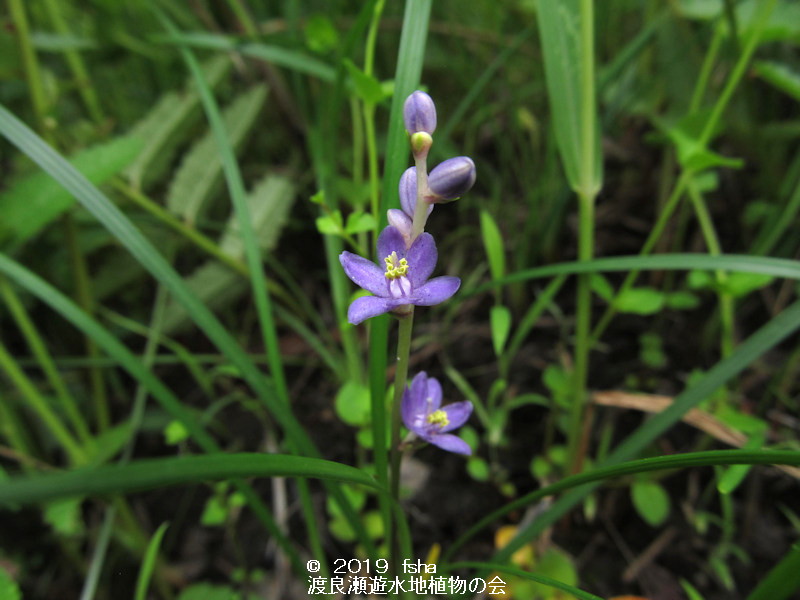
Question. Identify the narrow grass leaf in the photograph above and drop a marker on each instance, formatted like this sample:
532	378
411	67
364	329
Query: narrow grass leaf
32	203
163	472
149	563
284	57
782	581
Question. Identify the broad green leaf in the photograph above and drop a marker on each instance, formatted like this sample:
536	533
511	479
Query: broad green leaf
166	125
601	286
215	511
682	300
357	496
28	205
9	590
782	25
651	501
359	222
699	9
200	173
559	29
330	224
742	284
477	468
175	433
64	516
500	321
493	242
321	36
366	87
216	284
780	76
352	404
640	301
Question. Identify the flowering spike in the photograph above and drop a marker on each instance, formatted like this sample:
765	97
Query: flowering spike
419	113
452	178
408	192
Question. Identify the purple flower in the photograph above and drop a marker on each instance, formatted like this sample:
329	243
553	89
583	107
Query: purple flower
419	113
402	281
423	414
452	178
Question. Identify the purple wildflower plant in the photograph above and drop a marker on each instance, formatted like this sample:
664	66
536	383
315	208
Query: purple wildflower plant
402	282
424	415
403	219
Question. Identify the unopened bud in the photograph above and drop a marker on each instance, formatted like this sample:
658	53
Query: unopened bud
408	192
419	113
452	178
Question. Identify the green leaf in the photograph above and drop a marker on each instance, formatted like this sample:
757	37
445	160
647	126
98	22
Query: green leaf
321	36
640	301
9	590
215	511
359	222
353	405
149	563
500	320
682	300
478	468
493	242
734	475
166	125
162	472
601	286
742	284
64	516
782	581
366	87
30	204
175	433
780	76
200	173
330	224
700	9
561	43
651	501
691	592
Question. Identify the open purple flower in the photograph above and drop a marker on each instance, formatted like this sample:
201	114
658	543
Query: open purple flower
423	414
402	282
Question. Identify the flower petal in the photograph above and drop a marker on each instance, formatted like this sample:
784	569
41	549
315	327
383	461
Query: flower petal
413	407
364	273
400	221
421	258
369	306
450	442
433	395
390	240
436	291
457	414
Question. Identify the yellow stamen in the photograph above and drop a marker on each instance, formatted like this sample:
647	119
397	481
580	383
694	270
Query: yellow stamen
438	417
395	268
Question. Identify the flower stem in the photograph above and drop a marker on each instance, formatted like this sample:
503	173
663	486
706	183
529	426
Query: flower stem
421	210
400	378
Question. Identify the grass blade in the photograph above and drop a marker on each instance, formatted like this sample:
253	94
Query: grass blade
149	563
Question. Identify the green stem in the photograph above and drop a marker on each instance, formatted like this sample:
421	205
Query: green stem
76	64
587	192
369	116
45	360
31	65
726	306
400	379
41	407
705	71
85	299
421	210
649	244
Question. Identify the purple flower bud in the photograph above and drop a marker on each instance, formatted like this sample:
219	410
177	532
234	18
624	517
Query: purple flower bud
419	113
452	178
408	192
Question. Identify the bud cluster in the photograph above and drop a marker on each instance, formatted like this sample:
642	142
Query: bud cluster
446	182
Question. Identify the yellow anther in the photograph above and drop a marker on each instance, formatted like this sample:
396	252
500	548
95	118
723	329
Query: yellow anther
395	268
438	417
